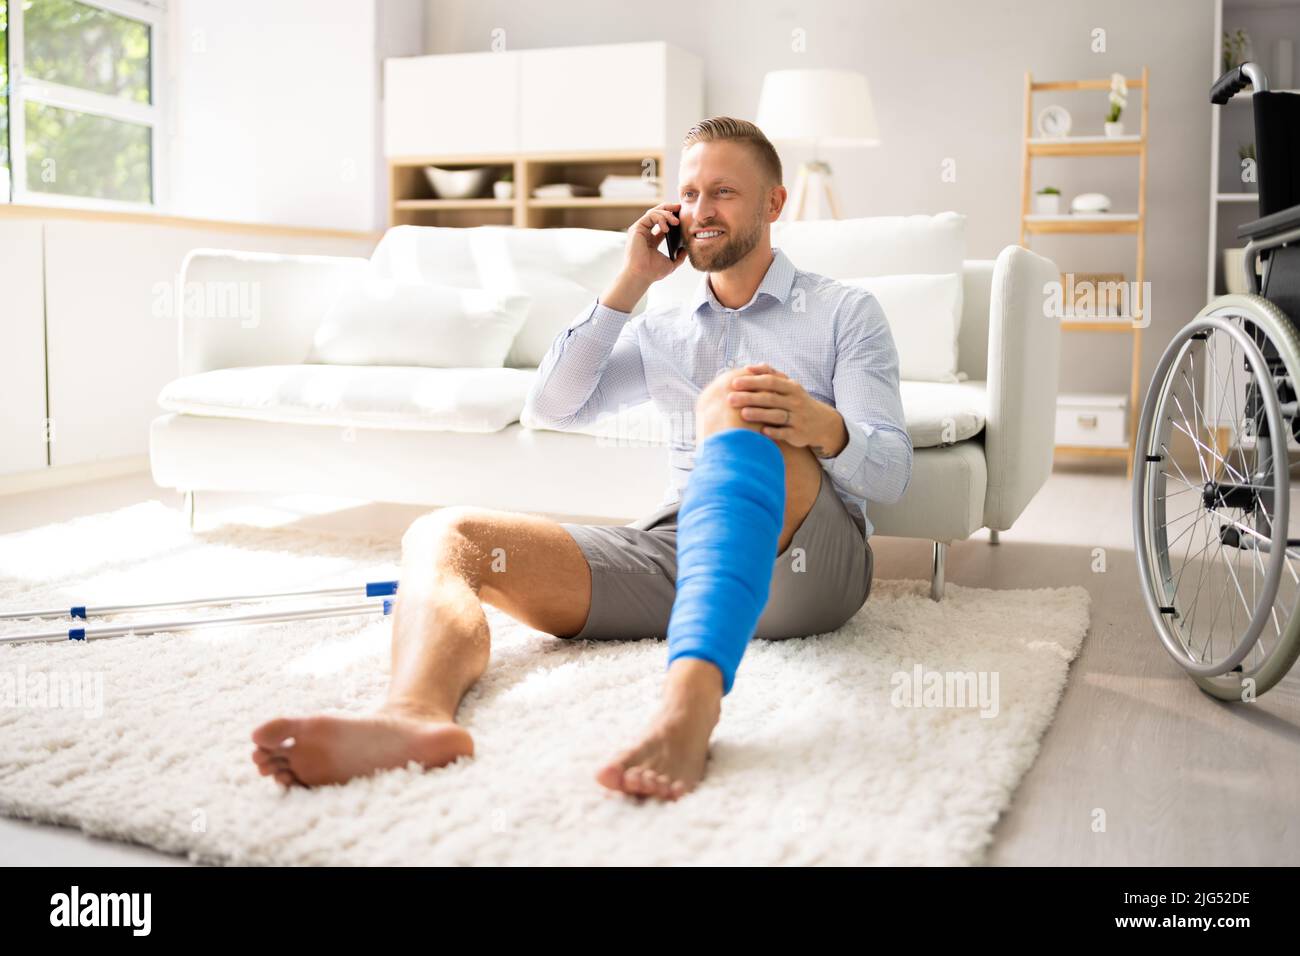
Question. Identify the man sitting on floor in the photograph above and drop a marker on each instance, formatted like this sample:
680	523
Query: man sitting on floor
772	468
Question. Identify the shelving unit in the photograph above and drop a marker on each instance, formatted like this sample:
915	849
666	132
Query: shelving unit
412	201
539	114
1093	224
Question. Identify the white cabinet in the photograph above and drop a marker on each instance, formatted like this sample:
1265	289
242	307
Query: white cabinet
592	98
454	103
556	100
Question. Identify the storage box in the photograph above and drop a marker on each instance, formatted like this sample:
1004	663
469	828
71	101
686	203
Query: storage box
1092	419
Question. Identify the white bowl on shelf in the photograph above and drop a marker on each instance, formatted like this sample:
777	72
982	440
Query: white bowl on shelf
1090	204
458	183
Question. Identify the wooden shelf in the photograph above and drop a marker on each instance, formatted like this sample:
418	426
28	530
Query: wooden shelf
1045	85
594	202
1094	223
1032	224
1098	325
1096	451
1086	146
454	204
412	202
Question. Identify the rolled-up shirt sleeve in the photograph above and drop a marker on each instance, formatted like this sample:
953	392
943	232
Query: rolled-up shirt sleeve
593	367
876	462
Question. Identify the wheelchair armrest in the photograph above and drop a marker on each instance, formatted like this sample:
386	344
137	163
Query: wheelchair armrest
1283	220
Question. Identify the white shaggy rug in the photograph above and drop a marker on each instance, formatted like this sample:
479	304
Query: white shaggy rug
817	759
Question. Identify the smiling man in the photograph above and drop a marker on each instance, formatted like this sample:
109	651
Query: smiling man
781	390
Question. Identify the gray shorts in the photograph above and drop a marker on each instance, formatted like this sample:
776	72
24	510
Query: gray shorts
820	581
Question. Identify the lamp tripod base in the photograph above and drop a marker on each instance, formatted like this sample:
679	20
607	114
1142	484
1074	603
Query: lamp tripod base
816	176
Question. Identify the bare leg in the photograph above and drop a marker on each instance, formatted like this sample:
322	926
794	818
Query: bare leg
670	759
452	560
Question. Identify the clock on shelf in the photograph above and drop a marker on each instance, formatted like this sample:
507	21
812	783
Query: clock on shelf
1054	122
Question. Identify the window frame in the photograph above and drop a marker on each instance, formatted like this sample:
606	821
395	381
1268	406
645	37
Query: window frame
23	89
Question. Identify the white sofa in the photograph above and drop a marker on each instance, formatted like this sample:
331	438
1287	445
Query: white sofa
247	413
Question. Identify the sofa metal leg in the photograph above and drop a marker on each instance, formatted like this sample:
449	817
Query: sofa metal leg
190	509
936	573
993	535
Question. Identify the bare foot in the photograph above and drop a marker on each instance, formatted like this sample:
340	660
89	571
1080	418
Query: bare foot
670	759
310	751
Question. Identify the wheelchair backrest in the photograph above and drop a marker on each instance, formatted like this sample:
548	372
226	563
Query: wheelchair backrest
1277	150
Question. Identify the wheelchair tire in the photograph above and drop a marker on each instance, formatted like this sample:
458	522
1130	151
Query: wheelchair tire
1268	646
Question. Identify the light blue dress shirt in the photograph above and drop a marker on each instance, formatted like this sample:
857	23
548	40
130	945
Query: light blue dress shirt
829	337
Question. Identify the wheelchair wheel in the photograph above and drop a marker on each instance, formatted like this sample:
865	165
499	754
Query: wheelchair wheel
1218	559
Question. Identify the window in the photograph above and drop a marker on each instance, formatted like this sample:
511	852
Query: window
80	111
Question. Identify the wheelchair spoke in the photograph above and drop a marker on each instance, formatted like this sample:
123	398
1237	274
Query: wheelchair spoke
1222	389
1194	525
1205	475
1237	476
1183	569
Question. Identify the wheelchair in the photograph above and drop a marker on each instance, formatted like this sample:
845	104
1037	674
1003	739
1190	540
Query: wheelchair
1215	529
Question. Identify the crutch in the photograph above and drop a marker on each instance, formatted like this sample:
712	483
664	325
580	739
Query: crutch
384	589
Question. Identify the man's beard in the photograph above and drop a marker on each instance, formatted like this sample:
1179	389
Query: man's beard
733	249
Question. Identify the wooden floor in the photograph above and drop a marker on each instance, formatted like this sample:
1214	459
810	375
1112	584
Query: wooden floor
1178	777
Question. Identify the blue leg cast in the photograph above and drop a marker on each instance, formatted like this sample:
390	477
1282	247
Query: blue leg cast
728	528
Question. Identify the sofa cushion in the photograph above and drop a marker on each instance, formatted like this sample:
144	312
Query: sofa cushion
389	322
879	246
875	245
943	413
936	414
556	302
847	248
375	396
487	400
924	314
562	269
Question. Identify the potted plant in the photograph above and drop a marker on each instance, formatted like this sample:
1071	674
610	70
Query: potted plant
1236	50
504	188
1118	100
1047	201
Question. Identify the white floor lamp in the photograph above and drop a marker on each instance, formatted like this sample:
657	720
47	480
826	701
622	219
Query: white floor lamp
817	108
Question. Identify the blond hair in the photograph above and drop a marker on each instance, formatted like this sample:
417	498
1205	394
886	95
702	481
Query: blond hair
729	129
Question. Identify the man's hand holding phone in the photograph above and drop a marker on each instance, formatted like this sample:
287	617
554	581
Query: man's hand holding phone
643	263
642	256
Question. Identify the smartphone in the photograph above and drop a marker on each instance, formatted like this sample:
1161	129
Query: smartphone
674	236
674	240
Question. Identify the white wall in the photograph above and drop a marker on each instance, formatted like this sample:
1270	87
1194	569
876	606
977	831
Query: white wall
947	79
275	108
399	32
22	356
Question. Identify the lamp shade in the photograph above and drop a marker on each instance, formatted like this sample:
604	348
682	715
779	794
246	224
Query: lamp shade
817	108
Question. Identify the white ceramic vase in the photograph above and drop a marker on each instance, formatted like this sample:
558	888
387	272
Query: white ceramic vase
503	189
1047	204
1115	129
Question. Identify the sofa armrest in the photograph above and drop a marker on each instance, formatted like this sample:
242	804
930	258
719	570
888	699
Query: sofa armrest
1023	371
255	308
